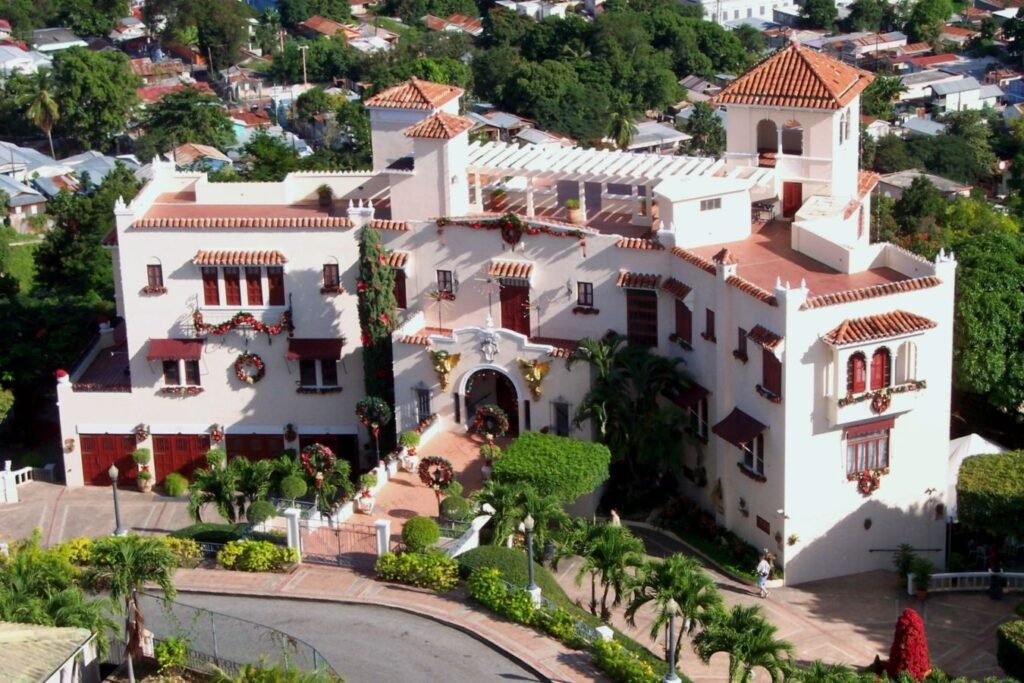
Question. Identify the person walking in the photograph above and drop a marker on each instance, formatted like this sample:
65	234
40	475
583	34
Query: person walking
764	568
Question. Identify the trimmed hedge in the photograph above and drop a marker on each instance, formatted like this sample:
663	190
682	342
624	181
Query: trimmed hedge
419	533
256	556
990	492
1010	648
433	570
208	532
511	563
555	465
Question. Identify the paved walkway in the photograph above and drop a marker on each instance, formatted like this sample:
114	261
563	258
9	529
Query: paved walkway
547	656
848	620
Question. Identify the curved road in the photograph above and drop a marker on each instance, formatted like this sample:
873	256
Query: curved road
368	644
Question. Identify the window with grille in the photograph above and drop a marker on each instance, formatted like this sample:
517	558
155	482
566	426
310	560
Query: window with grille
254	285
584	293
711	204
856	374
307	372
423	411
332	277
642	317
192	373
562	425
275	285
445	281
232	287
172	373
211	292
684	322
328	372
881	369
867	450
155	276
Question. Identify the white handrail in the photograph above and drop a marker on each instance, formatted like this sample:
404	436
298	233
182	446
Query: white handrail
969	581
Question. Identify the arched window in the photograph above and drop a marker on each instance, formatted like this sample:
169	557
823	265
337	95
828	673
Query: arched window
856	373
881	369
793	138
767	137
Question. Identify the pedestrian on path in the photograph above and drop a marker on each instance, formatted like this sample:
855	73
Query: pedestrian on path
764	568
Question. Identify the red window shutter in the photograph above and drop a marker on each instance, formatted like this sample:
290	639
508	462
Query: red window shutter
211	295
684	322
275	281
331	275
880	369
155	275
232	287
709	324
254	286
400	300
771	373
856	372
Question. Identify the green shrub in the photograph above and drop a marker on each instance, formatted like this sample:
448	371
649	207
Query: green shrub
208	532
185	549
293	487
1010	648
144	475
256	556
77	551
433	570
456	509
1019	609
486	586
175	485
216	457
572	203
171	654
511	563
621	665
555	465
260	511
561	625
990	492
409	439
419	533
142	456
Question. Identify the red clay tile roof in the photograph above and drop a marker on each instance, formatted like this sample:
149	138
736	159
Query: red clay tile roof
866	181
423	336
321	221
764	337
637	280
872	292
694	259
322	25
434	23
641	243
725	257
398	259
748	287
873	327
932	60
381	224
958	31
239	258
797	77
675	288
469	24
154	93
513	269
440	126
564	348
415	94
251	118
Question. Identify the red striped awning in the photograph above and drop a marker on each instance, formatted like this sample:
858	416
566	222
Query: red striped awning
738	428
174	349
314	349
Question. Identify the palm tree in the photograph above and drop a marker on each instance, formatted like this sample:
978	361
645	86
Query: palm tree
254	479
612	552
215	486
680	578
120	565
577	539
749	640
620	125
506	498
548	516
40	107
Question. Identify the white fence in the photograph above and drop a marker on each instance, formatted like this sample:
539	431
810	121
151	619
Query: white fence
969	581
469	539
10	479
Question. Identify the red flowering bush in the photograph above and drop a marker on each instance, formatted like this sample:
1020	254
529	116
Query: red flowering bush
909	648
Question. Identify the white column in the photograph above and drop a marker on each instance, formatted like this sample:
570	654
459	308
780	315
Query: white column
648	196
583	199
292	516
478	199
634	203
383	527
529	196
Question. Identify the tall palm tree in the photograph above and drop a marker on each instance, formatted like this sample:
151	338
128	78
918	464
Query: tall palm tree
680	578
749	640
612	553
120	565
576	539
620	125
548	516
40	107
214	486
506	498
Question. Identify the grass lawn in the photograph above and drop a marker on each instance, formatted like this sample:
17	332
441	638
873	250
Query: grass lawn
22	266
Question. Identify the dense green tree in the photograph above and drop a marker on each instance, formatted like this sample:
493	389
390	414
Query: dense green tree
1013	33
187	115
91	17
878	98
96	92
752	40
868	148
926	19
621	126
219	27
40	107
750	641
268	158
867	15
919	204
354	150
312	102
293	12
707	131
891	155
819	14
988	350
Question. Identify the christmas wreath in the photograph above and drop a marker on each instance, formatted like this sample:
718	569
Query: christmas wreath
316	460
244	362
374	413
868	482
881	401
491	421
436	472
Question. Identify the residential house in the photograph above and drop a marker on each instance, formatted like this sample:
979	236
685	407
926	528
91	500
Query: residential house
538	137
22	163
48	654
927	62
964	94
190	156
55	39
921	125
167	72
13	60
957	34
972	15
918	85
359	8
875	128
246	123
128	29
821	362
537	9
656	138
23	202
698	89
683	114
855	49
470	25
152	94
321	27
721	11
892	185
499	125
1002	77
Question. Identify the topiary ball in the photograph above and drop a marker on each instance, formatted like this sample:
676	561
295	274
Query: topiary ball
142	456
175	485
293	487
456	509
419	533
216	457
260	511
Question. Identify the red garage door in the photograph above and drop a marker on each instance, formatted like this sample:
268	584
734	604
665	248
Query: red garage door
345	446
255	446
100	451
181	453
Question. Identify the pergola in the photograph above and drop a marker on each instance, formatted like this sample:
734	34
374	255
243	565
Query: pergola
603	166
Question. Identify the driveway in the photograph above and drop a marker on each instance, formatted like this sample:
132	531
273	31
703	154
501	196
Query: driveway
364	644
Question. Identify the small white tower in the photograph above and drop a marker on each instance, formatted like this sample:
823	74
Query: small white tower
436	182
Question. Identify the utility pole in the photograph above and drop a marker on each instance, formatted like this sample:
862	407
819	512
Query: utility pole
303	49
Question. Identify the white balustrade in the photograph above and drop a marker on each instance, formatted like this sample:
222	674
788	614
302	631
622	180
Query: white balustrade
969	581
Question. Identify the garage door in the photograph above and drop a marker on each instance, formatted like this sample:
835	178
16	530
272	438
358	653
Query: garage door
255	446
181	453
100	451
345	446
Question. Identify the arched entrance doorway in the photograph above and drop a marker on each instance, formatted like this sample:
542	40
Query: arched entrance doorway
492	386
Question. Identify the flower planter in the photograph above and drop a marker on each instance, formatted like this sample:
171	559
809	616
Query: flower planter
410	462
576	216
365	504
145	485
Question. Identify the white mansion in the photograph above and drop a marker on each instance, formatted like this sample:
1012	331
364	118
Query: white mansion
816	354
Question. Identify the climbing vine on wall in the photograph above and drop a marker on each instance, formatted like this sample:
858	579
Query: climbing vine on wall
377	320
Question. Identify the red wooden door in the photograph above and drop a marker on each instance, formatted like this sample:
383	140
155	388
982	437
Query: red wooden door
254	446
792	198
100	451
515	308
181	453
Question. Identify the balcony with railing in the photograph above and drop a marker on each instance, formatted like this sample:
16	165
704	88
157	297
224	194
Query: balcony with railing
870	404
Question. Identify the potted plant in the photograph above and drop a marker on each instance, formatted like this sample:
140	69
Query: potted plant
142	458
325	195
922	570
572	207
409	441
366	500
498	198
488	453
902	559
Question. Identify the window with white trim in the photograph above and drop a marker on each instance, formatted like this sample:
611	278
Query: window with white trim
318	372
699	419
867	450
423	411
753	454
711	204
174	370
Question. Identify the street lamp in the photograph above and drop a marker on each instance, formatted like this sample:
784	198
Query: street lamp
528	528
118	530
672	610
